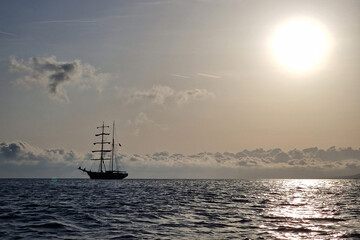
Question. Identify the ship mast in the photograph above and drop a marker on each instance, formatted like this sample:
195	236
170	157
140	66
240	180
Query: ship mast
113	147
102	150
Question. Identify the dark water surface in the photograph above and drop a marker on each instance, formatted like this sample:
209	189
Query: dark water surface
179	209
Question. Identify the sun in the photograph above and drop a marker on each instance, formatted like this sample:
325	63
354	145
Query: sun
300	44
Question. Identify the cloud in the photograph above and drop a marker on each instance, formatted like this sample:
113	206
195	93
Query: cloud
159	2
141	121
274	163
338	161
22	153
7	34
66	21
185	96
179	76
162	95
206	75
157	94
53	75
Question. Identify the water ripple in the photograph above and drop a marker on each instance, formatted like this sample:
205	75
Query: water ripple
179	209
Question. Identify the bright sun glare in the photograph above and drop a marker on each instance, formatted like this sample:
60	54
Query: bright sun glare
300	44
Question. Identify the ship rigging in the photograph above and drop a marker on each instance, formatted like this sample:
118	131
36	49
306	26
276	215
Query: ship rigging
104	151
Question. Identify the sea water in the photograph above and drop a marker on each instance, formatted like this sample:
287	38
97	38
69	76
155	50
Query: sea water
179	209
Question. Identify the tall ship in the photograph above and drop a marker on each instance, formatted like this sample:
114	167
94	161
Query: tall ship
106	153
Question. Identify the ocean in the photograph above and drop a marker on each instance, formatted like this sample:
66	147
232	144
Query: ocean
179	209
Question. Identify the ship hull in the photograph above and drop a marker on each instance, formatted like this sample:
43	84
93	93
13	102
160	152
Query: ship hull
107	175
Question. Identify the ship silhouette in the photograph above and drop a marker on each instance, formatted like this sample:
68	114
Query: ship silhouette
104	152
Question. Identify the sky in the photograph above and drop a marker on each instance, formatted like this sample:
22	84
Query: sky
194	86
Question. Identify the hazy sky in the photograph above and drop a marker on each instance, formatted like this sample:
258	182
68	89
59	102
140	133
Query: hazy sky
183	77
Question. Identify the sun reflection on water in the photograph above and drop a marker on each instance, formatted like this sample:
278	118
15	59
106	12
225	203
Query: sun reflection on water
300	209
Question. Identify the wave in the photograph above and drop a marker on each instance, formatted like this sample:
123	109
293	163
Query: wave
178	209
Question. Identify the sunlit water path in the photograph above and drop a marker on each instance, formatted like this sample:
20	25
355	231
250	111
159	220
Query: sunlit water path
179	209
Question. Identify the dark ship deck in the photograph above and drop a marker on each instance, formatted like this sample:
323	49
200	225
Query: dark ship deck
106	175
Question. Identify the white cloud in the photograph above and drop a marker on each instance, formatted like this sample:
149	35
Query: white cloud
157	94
7	34
206	75
54	75
179	76
66	21
141	121
185	96
162	95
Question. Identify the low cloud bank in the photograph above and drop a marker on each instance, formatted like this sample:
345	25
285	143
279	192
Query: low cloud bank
306	163
310	157
21	153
